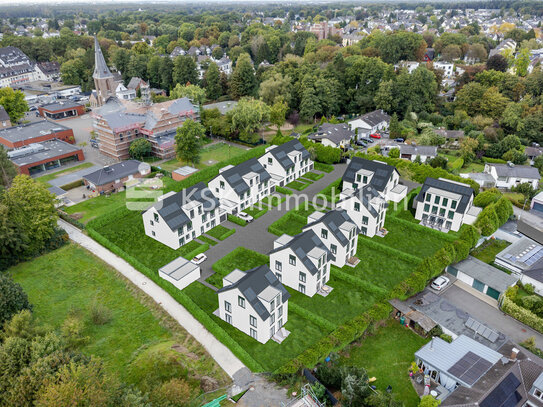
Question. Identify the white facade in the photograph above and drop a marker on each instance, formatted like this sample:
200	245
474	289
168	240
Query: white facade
75	90
365	128
508	176
293	272
123	93
366	209
343	249
446	67
281	175
393	191
200	220
236	309
180	272
234	202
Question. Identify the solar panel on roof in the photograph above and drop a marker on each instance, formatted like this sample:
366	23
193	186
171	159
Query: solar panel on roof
470	368
505	394
250	294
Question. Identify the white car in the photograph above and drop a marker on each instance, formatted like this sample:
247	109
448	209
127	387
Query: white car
245	216
199	259
439	283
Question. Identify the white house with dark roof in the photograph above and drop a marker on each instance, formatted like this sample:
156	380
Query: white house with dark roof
178	218
255	302
238	187
445	205
366	207
286	162
333	135
411	152
383	177
114	177
337	231
510	175
369	123
301	262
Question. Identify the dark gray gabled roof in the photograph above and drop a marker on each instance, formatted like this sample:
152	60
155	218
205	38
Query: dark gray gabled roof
113	172
428	151
100	67
333	132
518	171
382	173
374	118
280	153
171	207
333	220
234	175
253	283
301	245
465	191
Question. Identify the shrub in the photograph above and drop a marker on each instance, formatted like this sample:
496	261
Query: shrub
490	160
236	220
100	314
72	331
487	197
523	315
504	210
529	288
446	338
323	167
12	298
72	185
456	164
488	221
283	191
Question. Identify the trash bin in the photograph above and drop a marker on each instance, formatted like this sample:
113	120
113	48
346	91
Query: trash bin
402	320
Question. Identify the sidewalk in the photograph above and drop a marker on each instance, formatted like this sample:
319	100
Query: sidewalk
224	357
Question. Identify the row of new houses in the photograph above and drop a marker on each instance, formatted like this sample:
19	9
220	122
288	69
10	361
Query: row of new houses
255	301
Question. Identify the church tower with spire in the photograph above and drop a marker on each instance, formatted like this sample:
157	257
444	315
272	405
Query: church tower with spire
103	78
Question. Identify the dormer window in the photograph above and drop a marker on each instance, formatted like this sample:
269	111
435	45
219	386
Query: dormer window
192	213
358	177
199	210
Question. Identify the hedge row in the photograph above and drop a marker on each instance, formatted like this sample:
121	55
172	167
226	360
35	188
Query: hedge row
419	172
207	240
337	339
183	299
490	160
522	314
64	216
236	220
72	185
323	167
316	319
364	285
229	233
416	226
200	249
283	190
494	215
410	258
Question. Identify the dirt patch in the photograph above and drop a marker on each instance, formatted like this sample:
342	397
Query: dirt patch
184	351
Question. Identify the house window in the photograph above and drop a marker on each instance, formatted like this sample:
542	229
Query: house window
228	318
451	214
278	266
538	394
291	260
428	197
272	331
181	241
301	288
189	226
221	184
270	161
436	200
280	311
151	222
364	220
445	201
241	302
365	179
252	321
253	333
153	233
272	319
434	210
364	231
302	277
204	217
426	207
278	276
333	248
192	214
453	204
227	306
199	210
324	233
156	217
442	212
357	207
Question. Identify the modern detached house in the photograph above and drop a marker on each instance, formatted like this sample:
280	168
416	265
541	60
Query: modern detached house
510	175
445	205
178	218
241	186
301	262
286	162
255	302
337	231
383	177
366	207
370	123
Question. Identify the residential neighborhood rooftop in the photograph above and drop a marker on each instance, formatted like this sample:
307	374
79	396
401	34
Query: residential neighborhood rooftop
485	273
178	268
381	172
303	245
518	171
31	130
464	190
46	150
118	171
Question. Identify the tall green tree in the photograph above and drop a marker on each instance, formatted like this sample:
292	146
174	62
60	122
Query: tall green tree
166	72
12	298
140	148
247	117
14	102
212	82
184	70
153	71
278	112
243	80
193	92
7	169
188	141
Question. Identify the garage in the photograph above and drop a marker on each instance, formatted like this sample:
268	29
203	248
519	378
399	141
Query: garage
180	272
482	277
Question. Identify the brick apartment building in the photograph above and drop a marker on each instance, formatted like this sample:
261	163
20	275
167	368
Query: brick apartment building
36	132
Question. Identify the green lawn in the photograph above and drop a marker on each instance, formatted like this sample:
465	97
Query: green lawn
241	258
273	200
46	178
331	190
387	355
489	249
297	185
219	232
301	128
313	176
71	280
210	156
207	240
323	167
290	223
256	211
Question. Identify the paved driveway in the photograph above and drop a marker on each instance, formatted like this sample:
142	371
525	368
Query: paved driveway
255	235
73	176
491	316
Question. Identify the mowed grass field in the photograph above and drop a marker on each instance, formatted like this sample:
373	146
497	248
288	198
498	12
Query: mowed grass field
210	155
71	280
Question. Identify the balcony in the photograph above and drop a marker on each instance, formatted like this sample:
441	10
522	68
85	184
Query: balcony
306	399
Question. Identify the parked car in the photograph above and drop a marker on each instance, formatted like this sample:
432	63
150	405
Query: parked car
245	216
199	259
399	140
32	108
375	135
367	140
440	283
361	143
